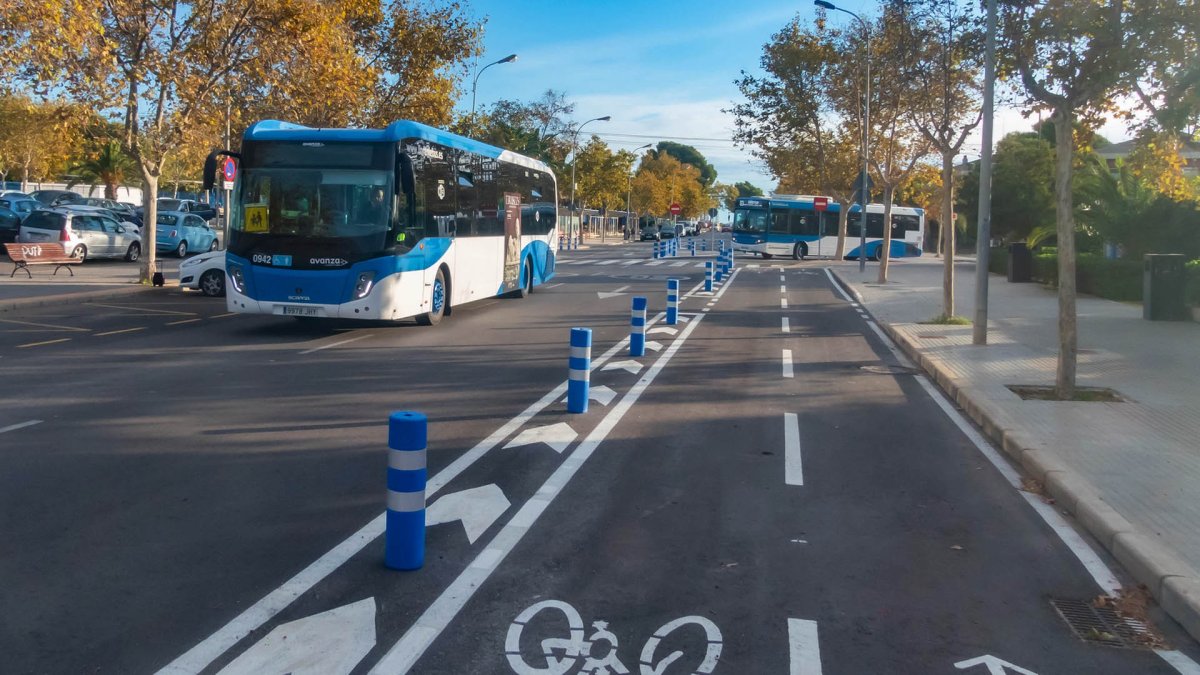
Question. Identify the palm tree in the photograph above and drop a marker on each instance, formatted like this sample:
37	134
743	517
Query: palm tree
109	168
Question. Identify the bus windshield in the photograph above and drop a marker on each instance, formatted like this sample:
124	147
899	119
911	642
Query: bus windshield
750	221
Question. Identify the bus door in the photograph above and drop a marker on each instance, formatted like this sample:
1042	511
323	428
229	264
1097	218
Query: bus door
512	241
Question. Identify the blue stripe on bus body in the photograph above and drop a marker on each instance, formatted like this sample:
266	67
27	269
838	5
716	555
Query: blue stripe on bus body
541	258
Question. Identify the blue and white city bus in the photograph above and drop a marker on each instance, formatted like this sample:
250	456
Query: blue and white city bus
790	225
406	221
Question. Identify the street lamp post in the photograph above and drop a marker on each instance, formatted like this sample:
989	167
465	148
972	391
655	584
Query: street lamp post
508	59
629	194
574	140
862	239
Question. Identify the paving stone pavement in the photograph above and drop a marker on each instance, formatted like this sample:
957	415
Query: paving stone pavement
1130	471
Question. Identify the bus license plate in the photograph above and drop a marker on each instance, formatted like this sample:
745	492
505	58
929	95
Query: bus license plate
300	311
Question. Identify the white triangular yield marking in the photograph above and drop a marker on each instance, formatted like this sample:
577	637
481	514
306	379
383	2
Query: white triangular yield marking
663	329
557	436
477	508
604	295
600	394
632	366
329	643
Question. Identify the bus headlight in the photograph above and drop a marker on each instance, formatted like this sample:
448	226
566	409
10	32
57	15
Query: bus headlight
236	278
363	286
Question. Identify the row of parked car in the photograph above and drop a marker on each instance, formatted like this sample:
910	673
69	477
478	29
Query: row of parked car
101	228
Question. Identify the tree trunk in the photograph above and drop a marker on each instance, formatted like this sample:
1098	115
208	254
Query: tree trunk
843	222
150	210
885	251
25	178
1063	119
110	191
947	226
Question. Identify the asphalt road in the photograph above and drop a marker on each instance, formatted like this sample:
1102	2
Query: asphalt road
180	488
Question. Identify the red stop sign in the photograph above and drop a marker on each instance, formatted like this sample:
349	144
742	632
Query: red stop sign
820	203
676	209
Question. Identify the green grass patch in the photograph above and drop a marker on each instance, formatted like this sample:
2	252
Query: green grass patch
943	320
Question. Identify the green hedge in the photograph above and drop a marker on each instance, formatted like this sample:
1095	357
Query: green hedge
1097	275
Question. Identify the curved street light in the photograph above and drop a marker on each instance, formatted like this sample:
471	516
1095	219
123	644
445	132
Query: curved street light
862	239
508	59
574	140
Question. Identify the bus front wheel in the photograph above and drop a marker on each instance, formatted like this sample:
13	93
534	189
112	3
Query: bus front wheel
438	301
799	252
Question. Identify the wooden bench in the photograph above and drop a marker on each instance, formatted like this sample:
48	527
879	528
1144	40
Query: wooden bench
48	253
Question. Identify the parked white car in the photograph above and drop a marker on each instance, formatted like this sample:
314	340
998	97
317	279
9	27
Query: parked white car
83	235
205	273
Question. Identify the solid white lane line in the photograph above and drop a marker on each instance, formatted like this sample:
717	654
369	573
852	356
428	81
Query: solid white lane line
836	286
22	425
551	285
793	468
336	344
887	342
177	323
45	342
787	328
804	648
203	654
787	363
123	330
412	645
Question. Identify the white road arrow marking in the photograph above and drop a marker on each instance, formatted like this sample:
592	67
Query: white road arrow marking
477	508
557	436
662	329
804	649
600	393
994	665
654	346
330	643
604	295
632	366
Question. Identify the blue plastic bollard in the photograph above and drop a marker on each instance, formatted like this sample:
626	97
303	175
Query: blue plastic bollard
637	327
708	276
719	272
579	368
404	536
672	302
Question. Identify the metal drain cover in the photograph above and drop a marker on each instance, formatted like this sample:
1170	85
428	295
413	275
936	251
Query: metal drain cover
1102	625
887	370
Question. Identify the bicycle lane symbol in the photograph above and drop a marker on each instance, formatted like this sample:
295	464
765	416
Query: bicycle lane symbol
563	654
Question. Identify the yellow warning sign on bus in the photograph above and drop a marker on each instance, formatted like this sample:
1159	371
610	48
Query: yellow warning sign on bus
256	218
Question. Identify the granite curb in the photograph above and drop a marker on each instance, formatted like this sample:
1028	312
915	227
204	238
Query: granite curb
10	304
1174	584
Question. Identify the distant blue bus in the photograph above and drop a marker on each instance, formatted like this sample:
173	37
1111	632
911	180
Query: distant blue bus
406	221
790	226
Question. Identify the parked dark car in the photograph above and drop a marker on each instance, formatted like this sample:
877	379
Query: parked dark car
56	197
10	224
22	206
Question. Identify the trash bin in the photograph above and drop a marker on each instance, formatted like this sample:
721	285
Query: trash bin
1020	263
1164	284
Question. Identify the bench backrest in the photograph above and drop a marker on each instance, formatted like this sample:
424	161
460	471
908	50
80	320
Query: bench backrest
51	250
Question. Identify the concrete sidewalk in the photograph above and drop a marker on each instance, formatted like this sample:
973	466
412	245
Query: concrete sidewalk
92	281
1130	471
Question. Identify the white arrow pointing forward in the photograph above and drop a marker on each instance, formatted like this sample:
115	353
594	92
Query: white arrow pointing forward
606	295
477	508
600	393
994	665
632	366
557	436
329	643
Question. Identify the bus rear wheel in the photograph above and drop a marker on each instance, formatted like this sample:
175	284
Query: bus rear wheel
527	287
439	299
799	251
766	256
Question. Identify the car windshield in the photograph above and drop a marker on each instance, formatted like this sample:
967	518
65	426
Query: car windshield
749	221
168	204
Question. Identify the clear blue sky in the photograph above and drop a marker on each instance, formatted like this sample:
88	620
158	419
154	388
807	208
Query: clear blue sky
663	69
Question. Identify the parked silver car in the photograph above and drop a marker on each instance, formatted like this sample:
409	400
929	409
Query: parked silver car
82	234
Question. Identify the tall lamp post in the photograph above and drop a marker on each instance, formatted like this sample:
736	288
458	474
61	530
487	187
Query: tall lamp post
629	194
574	140
862	239
508	59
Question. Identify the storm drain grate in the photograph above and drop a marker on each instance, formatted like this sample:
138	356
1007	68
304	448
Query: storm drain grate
887	370
1102	625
